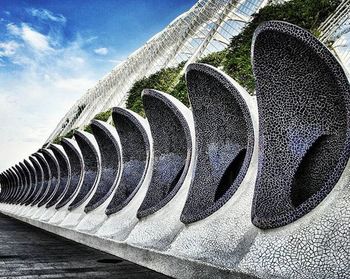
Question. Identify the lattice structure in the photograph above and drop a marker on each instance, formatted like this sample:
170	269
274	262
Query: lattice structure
207	27
335	32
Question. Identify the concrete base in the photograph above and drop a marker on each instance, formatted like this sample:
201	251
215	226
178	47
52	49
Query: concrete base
157	261
49	213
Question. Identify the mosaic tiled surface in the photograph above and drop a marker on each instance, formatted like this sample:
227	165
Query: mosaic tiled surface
303	104
91	169
76	168
110	164
172	151
135	146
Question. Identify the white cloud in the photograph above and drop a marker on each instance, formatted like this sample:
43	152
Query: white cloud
45	84
30	36
8	48
13	29
34	38
47	15
101	51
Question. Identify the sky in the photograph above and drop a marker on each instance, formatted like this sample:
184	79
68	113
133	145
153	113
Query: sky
51	52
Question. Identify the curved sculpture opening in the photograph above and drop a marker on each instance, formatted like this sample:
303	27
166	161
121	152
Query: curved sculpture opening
39	178
230	175
77	170
136	147
54	174
91	168
172	148
64	174
224	140
110	163
46	178
303	99
304	183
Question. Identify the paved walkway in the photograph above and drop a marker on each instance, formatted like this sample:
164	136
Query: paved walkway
28	252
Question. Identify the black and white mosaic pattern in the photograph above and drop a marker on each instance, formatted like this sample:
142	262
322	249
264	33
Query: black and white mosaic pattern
303	102
224	141
76	168
32	181
53	177
42	191
136	148
172	148
91	169
110	163
39	180
64	179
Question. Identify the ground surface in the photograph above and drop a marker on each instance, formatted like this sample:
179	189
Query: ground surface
28	252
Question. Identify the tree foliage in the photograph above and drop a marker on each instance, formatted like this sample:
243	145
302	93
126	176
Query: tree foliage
235	60
104	115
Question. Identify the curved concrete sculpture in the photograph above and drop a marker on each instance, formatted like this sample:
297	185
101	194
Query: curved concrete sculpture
23	187
172	129
311	130
31	177
40	169
219	201
273	206
77	174
42	191
39	178
77	170
26	184
18	185
308	144
12	184
53	182
64	180
21	184
224	140
3	185
135	137
111	165
92	173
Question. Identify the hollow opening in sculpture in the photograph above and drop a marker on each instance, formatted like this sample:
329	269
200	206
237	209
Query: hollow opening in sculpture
172	150
304	123
135	146
110	163
224	140
310	177
230	174
90	157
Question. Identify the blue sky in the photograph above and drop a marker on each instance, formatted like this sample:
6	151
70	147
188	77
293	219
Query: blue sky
51	52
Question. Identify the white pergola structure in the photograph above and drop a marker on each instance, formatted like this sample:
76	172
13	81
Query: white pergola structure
207	27
335	32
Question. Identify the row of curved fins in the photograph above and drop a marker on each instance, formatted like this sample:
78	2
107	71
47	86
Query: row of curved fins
302	142
251	185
